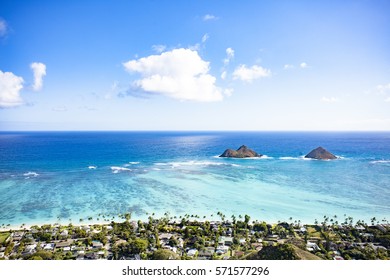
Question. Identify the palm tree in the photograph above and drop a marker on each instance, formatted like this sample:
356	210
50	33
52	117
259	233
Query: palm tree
247	218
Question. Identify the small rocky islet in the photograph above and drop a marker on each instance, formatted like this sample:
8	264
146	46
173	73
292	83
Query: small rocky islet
244	152
320	153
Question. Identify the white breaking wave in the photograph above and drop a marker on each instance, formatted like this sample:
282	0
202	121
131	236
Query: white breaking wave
131	163
175	164
92	167
296	158
289	158
117	169
32	174
250	158
380	161
304	158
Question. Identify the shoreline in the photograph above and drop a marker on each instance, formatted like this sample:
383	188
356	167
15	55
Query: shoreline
330	221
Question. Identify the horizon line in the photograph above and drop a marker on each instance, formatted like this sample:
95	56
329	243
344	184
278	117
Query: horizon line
198	130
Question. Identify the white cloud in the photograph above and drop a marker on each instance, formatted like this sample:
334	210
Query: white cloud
10	86
248	74
329	99
230	53
288	66
114	90
303	65
229	56
39	70
228	91
159	48
180	74
387	99
205	38
223	75
3	27
383	88
209	17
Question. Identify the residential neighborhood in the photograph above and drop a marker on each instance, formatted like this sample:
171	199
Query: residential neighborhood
188	238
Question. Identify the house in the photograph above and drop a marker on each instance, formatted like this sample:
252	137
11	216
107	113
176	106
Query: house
30	249
242	240
375	247
86	228
224	249
206	253
238	254
258	246
63	244
368	236
134	224
225	240
181	242
97	244
312	247
91	256
49	247
381	228
64	233
164	237
17	236
120	241
192	252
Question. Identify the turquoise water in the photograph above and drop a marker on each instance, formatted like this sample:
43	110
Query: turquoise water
64	176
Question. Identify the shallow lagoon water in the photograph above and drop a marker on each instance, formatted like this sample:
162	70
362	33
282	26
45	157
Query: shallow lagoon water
67	176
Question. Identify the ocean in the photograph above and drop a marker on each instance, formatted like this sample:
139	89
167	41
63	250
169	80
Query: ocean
49	177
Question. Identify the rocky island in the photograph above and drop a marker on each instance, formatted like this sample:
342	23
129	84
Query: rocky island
320	153
242	152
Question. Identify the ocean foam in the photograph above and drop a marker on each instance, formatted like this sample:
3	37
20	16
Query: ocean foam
134	162
92	167
266	157
246	158
176	164
296	158
289	158
380	161
117	169
31	174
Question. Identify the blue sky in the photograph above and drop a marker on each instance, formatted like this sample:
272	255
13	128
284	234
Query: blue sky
194	65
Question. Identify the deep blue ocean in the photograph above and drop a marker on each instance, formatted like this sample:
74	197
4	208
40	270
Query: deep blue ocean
48	177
